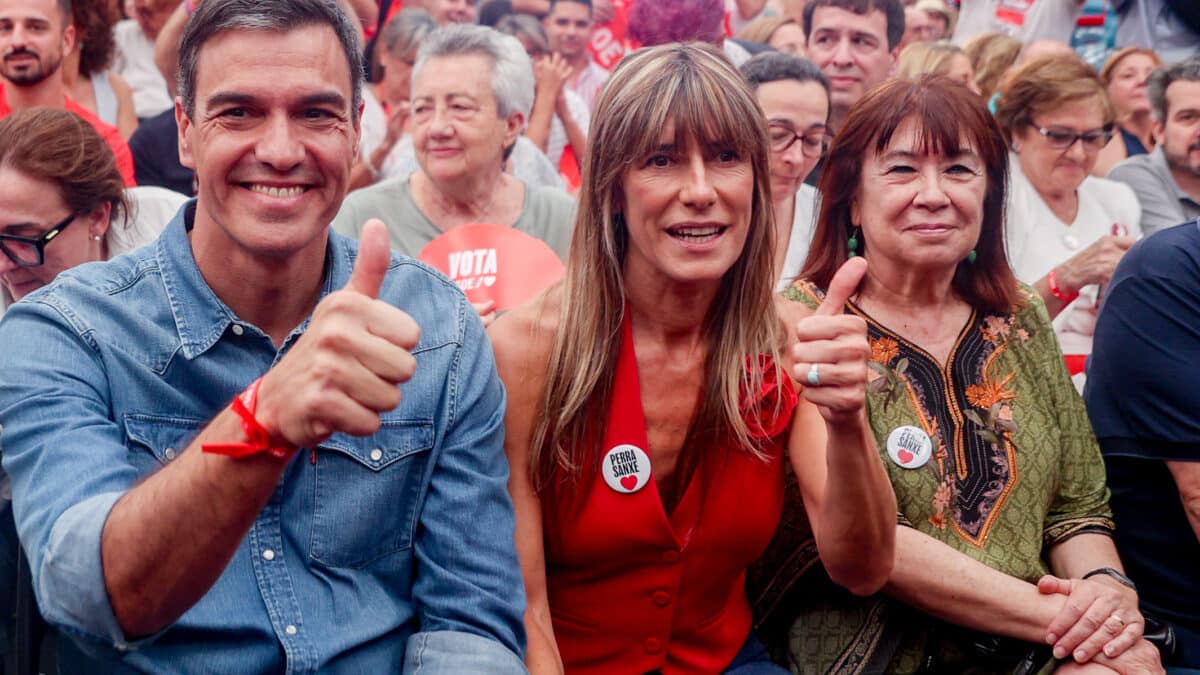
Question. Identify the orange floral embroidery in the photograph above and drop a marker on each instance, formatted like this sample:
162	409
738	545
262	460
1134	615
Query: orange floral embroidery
884	350
995	329
988	393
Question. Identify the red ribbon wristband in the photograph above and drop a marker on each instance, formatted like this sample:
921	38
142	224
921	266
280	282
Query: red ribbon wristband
259	439
1056	290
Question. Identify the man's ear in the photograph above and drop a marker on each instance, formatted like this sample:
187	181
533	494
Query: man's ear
68	38
185	127
1158	131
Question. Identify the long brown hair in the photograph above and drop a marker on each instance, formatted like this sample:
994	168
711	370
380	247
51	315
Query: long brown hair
950	118
694	88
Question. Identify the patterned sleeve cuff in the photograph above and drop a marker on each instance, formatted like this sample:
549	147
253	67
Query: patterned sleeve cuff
1057	533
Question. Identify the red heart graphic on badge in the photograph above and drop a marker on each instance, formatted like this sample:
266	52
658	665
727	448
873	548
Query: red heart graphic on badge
905	456
629	482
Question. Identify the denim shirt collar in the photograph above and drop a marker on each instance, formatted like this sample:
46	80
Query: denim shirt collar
201	318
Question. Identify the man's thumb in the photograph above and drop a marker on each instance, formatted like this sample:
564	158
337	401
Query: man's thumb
374	258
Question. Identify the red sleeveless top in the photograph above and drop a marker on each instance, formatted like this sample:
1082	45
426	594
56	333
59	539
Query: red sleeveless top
632	589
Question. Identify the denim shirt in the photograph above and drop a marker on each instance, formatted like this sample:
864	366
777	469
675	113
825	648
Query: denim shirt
391	552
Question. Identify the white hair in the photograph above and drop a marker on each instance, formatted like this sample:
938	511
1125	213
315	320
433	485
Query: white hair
512	71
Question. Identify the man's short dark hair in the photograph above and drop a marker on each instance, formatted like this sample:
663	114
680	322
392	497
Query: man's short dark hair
218	16
578	2
893	10
775	66
1163	77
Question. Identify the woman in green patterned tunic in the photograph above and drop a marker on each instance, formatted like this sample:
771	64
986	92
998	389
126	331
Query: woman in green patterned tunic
999	481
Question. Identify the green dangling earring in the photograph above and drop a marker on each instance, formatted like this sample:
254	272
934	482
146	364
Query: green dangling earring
852	244
972	257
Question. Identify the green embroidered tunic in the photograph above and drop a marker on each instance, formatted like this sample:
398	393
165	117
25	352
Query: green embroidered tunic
1015	467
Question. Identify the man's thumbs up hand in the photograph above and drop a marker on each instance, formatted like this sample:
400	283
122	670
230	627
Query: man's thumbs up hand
342	374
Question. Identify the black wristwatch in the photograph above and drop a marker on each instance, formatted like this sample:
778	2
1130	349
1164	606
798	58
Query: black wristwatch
1121	578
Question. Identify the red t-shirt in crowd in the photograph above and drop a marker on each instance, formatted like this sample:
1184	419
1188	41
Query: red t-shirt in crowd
108	132
609	40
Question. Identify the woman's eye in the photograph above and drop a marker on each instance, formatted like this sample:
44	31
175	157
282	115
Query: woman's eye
728	156
961	169
659	161
901	168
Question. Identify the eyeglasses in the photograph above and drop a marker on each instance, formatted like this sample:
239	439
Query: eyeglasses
812	143
1062	139
31	251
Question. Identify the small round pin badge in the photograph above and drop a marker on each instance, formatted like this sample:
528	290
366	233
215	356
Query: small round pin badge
626	468
909	447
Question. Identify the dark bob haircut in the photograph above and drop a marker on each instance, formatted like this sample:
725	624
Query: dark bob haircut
951	119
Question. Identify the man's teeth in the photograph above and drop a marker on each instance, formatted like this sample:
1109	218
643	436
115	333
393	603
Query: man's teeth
277	191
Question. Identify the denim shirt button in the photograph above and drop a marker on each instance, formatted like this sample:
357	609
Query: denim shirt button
376	455
268	554
169	453
290	630
237	329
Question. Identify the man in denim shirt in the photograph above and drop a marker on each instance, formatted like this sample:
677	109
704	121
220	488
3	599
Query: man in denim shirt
369	528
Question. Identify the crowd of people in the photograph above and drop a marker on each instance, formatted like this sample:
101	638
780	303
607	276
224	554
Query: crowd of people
873	353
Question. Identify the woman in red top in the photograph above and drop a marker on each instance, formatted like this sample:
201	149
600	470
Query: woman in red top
650	404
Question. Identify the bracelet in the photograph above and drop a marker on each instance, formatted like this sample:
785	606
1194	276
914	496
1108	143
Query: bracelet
1056	290
1108	571
259	441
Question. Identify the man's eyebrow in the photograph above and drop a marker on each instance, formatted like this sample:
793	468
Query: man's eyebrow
224	98
328	98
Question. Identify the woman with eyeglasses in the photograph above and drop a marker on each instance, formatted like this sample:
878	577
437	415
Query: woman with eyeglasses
1065	229
794	95
63	201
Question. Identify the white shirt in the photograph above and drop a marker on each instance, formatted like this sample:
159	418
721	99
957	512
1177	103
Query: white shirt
134	61
557	141
1043	20
1037	241
804	222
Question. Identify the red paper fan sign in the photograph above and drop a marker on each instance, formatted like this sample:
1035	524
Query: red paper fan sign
494	262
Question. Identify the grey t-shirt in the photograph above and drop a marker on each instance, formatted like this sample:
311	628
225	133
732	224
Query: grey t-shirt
548	214
1164	203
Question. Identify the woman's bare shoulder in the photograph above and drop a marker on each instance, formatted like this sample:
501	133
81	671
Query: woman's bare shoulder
523	338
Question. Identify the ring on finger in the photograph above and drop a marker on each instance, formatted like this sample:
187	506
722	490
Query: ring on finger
1119	619
814	375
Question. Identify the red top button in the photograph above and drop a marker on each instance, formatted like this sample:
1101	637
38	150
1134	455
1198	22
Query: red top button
652	645
661	598
670	557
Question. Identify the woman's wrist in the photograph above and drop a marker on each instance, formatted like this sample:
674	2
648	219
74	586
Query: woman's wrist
1058	288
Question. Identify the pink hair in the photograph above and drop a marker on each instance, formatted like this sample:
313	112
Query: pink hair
656	22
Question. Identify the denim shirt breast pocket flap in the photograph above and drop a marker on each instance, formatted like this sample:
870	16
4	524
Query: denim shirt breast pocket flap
161	438
367	493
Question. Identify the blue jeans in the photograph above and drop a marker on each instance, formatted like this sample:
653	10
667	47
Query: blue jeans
753	659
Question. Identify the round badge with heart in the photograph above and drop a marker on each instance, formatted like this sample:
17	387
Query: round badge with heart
626	468
909	447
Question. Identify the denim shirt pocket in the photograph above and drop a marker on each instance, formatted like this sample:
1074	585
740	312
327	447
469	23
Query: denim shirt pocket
155	440
367	493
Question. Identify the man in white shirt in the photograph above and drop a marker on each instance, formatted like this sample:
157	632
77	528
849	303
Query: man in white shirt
134	59
569	30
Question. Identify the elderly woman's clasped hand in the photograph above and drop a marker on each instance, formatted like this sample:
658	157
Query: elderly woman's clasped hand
1100	616
831	350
